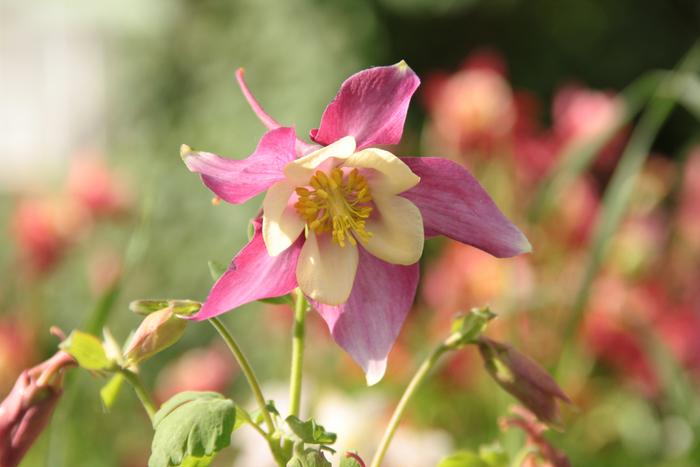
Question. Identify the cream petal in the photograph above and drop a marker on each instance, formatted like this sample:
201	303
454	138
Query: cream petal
397	230
390	174
299	171
281	223
325	270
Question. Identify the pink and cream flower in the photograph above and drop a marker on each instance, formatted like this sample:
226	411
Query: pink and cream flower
344	220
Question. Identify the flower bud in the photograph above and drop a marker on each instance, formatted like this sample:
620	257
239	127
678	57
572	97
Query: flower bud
158	331
27	409
522	378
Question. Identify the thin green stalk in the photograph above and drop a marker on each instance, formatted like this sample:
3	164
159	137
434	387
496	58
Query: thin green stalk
247	371
297	364
298	334
254	386
618	193
416	381
141	392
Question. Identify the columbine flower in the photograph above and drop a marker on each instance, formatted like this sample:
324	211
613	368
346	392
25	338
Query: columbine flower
345	221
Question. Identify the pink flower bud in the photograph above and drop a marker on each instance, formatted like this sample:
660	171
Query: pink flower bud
27	409
157	331
523	378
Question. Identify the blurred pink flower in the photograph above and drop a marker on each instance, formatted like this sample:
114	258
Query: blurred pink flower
689	209
95	187
207	369
573	221
612	333
582	114
345	221
17	349
42	229
463	277
473	109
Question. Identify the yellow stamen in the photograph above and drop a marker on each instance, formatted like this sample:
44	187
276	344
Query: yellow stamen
338	203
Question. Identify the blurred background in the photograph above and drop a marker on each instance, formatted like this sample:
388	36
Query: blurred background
543	100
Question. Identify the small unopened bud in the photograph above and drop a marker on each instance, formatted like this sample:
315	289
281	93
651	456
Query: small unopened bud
523	378
158	331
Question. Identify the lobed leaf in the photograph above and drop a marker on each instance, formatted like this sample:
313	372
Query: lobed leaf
190	428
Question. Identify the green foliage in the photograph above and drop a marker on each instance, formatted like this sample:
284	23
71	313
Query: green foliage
110	391
190	428
309	431
87	351
308	458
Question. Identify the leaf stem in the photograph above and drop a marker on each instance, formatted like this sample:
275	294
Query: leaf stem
141	392
416	381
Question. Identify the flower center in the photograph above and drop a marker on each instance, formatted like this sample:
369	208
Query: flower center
339	203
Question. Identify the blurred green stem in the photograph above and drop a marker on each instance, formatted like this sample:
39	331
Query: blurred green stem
618	193
141	392
415	383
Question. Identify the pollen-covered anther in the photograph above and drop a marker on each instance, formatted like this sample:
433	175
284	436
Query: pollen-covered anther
338	203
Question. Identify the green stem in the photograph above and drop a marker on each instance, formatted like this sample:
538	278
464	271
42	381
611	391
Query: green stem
298	335
254	386
141	392
247	371
418	378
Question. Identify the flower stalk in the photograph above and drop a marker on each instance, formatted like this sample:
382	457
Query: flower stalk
298	335
416	381
254	386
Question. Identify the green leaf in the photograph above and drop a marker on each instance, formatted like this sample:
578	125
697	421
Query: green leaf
462	459
308	458
216	269
190	428
87	351
350	460
242	417
192	461
309	431
110	391
494	455
468	327
257	415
